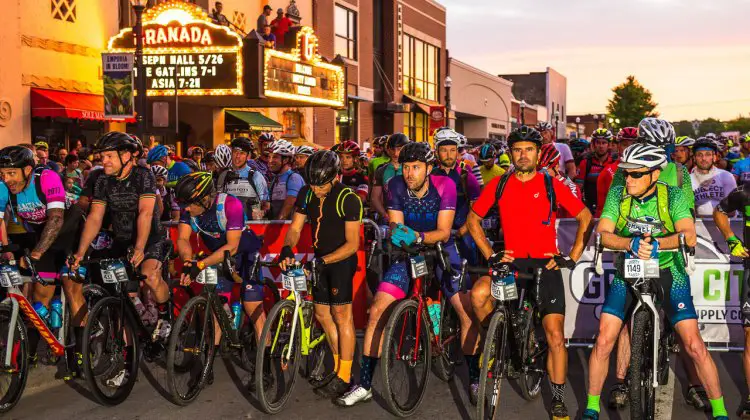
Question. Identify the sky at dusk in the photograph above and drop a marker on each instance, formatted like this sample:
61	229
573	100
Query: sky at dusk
693	55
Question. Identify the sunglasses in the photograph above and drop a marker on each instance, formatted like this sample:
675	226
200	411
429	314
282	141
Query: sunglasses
638	175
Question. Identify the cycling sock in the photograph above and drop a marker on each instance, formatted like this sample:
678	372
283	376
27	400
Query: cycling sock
78	334
592	402
717	407
558	391
345	370
335	362
366	371
472	362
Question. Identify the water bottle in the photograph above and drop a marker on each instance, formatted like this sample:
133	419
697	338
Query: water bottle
237	313
433	310
56	309
41	310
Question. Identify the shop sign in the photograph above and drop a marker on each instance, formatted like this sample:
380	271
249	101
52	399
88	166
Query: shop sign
184	50
437	118
117	73
302	75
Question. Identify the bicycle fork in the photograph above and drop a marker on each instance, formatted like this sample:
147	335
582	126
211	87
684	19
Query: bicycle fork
10	352
647	300
295	316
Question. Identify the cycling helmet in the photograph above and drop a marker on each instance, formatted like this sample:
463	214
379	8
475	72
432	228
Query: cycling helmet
745	138
266	138
684	141
160	171
223	156
193	165
503	161
463	142
364	156
487	152
139	148
118	141
158	153
193	187
446	137
627	133
380	141
16	157
416	152
304	150
579	146
397	140
543	126
242	143
41	145
209	157
194	149
549	156
282	147
347	146
704	143
602	133
524	133
643	155
711	136
656	132
322	167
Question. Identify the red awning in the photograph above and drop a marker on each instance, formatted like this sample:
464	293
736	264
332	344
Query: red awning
55	103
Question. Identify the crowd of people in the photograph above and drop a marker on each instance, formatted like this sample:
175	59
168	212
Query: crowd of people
644	185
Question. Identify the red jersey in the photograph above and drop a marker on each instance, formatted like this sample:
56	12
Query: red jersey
523	209
576	190
588	175
602	186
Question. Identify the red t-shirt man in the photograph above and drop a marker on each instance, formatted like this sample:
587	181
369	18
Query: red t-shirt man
524	209
280	27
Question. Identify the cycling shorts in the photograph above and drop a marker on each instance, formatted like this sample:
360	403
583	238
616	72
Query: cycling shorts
745	295
335	283
677	303
551	288
397	279
156	249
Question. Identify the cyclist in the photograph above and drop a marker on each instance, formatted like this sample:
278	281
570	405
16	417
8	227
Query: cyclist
625	137
549	160
241	181
489	168
335	212
384	173
127	193
168	209
503	161
351	175
195	157
210	161
567	162
301	154
261	164
379	156
36	201
159	155
710	184
741	169
286	183
422	206
590	167
683	152
660	214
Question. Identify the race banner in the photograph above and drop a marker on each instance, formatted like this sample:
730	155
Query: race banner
117	70
715	286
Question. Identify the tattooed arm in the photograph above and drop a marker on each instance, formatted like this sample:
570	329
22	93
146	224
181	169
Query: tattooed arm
50	232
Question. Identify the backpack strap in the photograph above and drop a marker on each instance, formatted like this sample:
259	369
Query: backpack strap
501	186
463	174
662	205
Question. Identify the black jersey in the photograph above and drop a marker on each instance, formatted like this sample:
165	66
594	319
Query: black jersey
341	205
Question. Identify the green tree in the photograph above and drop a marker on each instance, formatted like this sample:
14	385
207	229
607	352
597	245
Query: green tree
741	124
684	128
631	103
711	125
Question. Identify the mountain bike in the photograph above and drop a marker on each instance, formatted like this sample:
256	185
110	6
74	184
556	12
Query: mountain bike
650	346
191	350
290	333
410	343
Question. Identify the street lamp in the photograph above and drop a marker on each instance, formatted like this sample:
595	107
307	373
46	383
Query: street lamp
138	7
523	112
557	125
447	85
578	130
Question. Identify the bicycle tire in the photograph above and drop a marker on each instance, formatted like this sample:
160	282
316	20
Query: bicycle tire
314	364
403	314
249	342
534	358
449	335
188	315
277	332
492	365
17	381
113	309
642	394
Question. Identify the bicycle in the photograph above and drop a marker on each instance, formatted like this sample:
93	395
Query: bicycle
191	344
290	332
14	345
650	346
409	338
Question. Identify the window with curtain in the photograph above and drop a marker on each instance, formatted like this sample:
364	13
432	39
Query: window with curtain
420	68
345	23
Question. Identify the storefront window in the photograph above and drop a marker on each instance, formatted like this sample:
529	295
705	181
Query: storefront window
346	123
345	22
420	68
292	122
415	126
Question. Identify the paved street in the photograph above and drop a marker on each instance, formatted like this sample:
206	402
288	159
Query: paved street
47	398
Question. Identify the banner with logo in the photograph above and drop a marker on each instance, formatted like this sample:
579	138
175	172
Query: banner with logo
437	118
117	72
716	285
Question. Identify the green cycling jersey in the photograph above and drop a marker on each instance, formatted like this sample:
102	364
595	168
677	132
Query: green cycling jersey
668	176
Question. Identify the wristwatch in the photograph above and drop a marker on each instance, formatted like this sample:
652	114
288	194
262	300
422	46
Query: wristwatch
420	238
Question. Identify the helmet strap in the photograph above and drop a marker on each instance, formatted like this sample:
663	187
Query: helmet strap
123	165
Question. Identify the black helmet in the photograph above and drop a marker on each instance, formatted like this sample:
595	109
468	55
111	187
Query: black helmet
193	187
322	167
209	157
416	152
115	140
243	143
397	140
16	157
705	143
525	133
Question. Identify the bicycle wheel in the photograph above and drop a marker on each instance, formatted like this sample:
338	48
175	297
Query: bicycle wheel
249	343
190	352
493	363
13	377
110	351
534	357
449	335
314	364
642	392
406	359
276	370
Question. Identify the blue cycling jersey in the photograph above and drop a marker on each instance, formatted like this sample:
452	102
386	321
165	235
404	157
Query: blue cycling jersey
176	171
741	169
207	224
421	214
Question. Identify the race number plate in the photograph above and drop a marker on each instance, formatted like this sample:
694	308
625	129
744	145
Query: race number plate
418	266
294	280
113	272
209	275
504	288
489	223
9	276
641	269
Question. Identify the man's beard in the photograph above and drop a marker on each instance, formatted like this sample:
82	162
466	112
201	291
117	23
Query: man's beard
448	163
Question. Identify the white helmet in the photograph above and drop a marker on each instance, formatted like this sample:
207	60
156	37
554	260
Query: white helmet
304	150
223	156
643	155
463	142
446	137
282	147
656	132
160	171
